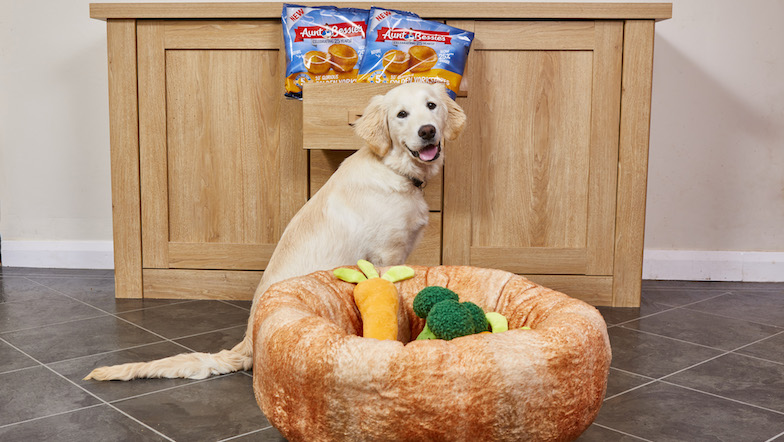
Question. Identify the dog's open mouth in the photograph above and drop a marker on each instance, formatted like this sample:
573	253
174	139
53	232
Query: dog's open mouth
428	153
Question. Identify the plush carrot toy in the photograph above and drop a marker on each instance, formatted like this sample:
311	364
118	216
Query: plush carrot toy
376	297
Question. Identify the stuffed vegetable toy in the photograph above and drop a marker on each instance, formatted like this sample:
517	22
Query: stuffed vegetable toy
376	297
448	318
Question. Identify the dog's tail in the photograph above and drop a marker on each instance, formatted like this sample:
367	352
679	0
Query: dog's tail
187	365
193	365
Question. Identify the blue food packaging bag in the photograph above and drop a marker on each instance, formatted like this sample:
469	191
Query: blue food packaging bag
323	44
404	48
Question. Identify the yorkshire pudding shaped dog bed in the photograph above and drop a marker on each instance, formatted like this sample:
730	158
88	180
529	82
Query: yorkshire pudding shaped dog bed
316	379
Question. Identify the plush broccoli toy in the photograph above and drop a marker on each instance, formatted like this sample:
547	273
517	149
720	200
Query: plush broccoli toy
447	318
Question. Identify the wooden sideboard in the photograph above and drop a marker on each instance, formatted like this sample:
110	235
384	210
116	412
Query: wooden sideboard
210	161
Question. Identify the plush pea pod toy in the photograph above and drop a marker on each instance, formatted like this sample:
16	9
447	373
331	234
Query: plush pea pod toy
376	297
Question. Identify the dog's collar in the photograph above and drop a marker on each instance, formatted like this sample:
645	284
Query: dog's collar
419	184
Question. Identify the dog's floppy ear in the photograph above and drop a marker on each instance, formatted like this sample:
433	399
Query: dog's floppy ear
456	118
372	126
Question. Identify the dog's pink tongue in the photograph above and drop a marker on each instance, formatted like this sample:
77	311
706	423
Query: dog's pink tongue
429	152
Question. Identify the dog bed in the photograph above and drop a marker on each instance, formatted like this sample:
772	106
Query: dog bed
316	379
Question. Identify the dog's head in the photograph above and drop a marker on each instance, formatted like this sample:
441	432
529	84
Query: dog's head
407	126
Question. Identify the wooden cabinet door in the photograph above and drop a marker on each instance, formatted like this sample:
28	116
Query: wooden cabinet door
530	186
221	171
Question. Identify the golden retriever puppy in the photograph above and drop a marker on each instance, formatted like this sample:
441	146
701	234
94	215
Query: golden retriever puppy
371	208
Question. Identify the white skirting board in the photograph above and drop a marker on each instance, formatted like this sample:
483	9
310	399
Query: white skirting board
697	265
58	254
687	265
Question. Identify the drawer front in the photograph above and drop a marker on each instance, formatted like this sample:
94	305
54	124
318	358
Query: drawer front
329	109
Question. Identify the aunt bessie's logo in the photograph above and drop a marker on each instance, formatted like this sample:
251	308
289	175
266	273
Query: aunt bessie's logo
338	30
395	34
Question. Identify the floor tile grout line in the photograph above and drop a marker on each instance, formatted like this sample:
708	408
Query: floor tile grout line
644	317
676	339
757	342
662	378
86	318
622	432
104	278
172	340
152	307
235	305
672	307
732	317
757	358
246	434
74	274
721	397
158	335
18	369
102	353
183	301
211	331
116	315
89	392
630	390
621	325
693	284
687	289
775	437
33	419
173	387
633	373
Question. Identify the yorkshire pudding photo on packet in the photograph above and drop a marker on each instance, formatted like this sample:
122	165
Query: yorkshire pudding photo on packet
324	44
316	62
395	62
423	58
404	48
342	57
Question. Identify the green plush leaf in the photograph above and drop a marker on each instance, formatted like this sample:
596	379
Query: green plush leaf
367	268
349	275
399	273
426	334
498	322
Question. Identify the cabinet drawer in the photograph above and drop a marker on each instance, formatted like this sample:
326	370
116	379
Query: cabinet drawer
329	109
323	163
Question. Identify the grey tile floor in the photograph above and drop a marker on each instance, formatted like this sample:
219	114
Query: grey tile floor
697	361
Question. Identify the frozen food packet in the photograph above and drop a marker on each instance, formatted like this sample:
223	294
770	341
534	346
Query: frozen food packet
403	48
323	44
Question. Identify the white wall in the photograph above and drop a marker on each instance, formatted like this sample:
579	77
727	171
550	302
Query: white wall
716	168
716	177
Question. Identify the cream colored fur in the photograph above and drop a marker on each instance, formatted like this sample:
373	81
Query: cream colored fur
369	209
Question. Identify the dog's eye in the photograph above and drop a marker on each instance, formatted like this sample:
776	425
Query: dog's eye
431	105
402	114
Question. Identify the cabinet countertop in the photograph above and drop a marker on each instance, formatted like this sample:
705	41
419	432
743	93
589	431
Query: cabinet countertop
500	10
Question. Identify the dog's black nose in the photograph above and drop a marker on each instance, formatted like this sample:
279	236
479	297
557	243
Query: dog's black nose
427	132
